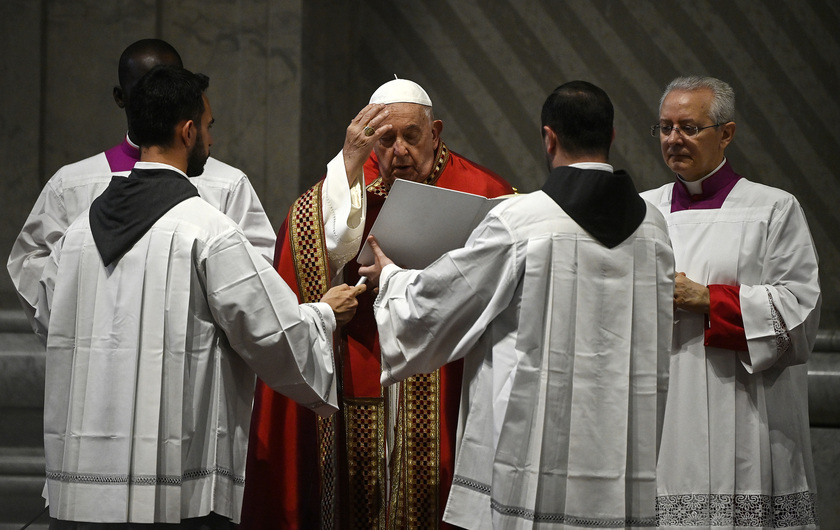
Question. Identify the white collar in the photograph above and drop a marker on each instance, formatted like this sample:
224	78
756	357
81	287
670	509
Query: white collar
696	187
600	166
131	142
157	165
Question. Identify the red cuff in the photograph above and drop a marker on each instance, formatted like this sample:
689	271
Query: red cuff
725	327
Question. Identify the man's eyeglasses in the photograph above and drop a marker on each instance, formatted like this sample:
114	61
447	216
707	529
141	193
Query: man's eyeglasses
685	130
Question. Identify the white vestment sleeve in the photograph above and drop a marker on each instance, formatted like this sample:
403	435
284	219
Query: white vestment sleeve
43	228
245	209
431	317
288	345
781	315
344	209
46	288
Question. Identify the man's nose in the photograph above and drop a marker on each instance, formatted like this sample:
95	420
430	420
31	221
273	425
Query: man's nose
399	148
674	137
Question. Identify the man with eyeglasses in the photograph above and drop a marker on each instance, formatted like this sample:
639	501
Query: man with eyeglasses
735	448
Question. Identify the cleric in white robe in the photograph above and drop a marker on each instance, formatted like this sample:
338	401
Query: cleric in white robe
157	313
561	306
736	449
69	193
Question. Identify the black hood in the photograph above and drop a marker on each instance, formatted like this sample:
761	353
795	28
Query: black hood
128	207
604	204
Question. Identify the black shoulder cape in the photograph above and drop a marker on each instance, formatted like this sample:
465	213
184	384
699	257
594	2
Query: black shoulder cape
128	207
604	204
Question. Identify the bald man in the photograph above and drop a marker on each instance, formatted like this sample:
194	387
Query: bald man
73	187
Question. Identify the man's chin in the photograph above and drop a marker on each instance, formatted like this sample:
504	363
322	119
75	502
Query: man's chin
678	164
196	161
195	170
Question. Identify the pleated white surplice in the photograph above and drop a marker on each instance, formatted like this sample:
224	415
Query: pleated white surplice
736	449
565	344
151	362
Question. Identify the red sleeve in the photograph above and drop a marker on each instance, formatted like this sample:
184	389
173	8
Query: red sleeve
725	327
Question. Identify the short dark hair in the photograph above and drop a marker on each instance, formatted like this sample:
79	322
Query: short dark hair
164	53
163	98
581	115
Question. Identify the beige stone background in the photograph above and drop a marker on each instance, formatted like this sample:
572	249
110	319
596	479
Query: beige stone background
287	76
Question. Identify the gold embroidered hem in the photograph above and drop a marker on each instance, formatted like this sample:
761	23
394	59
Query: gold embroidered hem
366	462
414	467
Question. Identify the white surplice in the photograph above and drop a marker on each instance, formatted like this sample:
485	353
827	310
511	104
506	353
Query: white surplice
73	188
565	346
151	362
736	448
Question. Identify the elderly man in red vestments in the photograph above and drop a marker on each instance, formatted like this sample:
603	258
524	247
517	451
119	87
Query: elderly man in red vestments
385	460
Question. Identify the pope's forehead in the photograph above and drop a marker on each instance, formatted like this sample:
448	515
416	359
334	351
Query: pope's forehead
407	109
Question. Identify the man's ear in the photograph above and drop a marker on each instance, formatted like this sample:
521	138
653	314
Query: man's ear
119	97
728	135
188	133
437	128
549	141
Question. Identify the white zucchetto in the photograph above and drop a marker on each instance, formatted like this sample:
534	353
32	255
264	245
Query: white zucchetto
401	91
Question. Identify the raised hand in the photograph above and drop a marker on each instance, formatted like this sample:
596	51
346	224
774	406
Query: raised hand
362	133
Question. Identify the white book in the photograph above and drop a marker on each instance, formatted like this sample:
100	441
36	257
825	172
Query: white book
419	223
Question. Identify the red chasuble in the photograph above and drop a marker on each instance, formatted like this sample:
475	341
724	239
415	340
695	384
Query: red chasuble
306	472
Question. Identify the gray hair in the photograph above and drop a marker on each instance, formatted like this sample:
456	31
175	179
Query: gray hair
429	113
722	109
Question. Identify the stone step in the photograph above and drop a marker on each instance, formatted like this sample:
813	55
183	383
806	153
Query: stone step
21	484
22	369
22	461
14	321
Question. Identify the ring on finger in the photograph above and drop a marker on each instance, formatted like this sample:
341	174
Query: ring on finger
369	130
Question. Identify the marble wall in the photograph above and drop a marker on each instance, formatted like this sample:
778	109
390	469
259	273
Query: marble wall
488	67
56	102
288	76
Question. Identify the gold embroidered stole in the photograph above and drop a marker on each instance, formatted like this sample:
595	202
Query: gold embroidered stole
357	449
309	255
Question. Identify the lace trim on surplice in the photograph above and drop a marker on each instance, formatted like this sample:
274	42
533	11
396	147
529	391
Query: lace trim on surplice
143	480
783	342
741	510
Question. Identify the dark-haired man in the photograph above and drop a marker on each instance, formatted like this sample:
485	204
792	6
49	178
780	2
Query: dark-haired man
157	312
560	305
73	187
